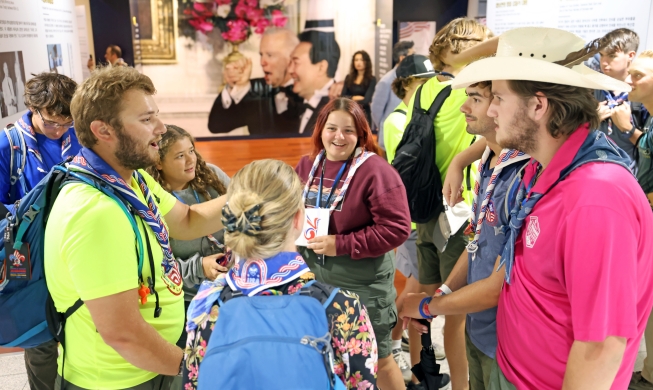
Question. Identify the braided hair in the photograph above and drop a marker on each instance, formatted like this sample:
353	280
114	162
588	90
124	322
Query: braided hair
204	179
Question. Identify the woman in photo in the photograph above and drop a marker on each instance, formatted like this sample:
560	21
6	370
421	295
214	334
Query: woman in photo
360	82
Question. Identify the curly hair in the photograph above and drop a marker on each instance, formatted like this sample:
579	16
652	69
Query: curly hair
100	97
51	93
204	179
400	84
456	36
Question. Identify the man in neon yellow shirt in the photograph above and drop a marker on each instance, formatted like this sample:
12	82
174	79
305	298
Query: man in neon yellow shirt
115	340
450	139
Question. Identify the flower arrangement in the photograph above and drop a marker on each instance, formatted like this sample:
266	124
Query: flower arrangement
235	19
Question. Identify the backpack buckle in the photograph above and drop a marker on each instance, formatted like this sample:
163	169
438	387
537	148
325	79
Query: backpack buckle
31	214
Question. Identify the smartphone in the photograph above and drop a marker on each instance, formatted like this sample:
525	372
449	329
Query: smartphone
227	260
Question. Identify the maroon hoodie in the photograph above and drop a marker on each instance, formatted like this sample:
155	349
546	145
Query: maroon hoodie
373	218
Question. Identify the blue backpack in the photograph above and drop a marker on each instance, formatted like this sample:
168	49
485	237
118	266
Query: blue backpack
17	160
271	342
26	306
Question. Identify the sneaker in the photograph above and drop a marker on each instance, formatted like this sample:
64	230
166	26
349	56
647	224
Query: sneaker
439	352
403	364
404	341
637	382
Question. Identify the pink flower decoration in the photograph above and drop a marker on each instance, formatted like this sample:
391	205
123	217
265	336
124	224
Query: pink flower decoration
201	25
362	328
202	9
223	2
241	9
261	25
254	14
278	18
251	3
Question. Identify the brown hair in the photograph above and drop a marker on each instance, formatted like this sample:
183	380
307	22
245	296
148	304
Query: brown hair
400	84
115	49
569	106
100	98
51	93
204	179
353	73
621	39
365	137
262	199
457	35
646	54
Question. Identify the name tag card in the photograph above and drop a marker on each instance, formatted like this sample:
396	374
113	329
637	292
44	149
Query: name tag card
316	223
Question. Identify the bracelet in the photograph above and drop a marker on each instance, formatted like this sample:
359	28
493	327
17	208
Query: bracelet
444	289
424	308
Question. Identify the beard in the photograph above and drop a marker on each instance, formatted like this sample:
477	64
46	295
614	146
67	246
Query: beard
481	127
521	133
131	153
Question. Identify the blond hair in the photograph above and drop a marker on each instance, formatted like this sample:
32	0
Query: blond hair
646	54
100	98
456	36
262	200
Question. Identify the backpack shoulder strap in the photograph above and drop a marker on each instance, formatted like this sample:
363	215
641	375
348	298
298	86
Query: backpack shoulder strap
439	101
399	110
16	160
320	291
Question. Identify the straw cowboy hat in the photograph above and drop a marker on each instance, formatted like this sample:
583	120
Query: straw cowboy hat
540	54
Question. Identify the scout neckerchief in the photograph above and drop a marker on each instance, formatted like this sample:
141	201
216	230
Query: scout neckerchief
507	157
89	162
24	124
360	156
253	276
212	239
614	101
596	148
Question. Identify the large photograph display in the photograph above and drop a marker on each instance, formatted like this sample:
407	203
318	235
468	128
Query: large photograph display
589	19
35	36
278	61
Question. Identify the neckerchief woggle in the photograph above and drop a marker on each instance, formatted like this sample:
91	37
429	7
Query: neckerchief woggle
360	156
212	239
596	148
24	125
250	277
89	162
614	101
506	158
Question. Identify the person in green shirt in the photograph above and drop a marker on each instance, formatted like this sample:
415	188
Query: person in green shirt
413	71
451	138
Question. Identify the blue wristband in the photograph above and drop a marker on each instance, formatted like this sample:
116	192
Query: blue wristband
426	300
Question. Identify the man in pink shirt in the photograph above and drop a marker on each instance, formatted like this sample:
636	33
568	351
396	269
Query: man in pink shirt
578	255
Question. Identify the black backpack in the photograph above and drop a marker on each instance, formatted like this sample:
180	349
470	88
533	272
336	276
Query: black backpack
415	160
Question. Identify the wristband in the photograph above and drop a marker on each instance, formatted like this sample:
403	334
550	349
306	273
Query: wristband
424	308
443	290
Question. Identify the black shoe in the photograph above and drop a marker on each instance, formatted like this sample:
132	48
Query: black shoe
418	386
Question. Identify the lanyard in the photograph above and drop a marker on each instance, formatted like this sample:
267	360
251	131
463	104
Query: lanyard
197	198
212	239
318	202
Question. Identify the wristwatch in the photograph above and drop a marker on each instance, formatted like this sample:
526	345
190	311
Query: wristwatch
629	132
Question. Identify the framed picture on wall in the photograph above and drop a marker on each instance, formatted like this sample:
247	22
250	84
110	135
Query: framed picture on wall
157	30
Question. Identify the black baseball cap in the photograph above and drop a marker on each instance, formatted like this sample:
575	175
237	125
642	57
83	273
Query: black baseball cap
417	66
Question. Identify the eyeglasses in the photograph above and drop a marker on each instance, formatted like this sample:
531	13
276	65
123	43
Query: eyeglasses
54	125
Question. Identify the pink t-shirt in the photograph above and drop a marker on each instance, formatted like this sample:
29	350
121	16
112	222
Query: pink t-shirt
583	271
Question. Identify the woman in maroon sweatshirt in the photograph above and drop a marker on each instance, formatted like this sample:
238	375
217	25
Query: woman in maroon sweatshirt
369	218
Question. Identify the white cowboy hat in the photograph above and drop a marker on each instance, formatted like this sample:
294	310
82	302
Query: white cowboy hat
531	53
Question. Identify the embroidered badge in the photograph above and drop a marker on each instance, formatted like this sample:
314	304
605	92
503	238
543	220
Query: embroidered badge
532	231
491	215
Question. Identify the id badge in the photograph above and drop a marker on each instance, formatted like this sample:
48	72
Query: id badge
18	264
316	224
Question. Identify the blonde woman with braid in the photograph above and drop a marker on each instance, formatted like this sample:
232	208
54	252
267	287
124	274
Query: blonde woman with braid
263	217
184	173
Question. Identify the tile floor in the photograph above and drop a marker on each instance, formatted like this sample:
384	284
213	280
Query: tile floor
13	376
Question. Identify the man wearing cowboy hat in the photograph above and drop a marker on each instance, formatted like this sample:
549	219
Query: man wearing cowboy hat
577	268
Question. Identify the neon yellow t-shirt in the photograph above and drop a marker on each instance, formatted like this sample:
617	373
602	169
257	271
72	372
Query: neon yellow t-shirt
90	252
451	136
393	130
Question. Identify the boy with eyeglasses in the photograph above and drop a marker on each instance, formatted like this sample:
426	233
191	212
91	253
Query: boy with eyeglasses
42	137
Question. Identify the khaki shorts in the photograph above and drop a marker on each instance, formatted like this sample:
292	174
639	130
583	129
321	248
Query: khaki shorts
435	266
498	381
480	366
372	279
